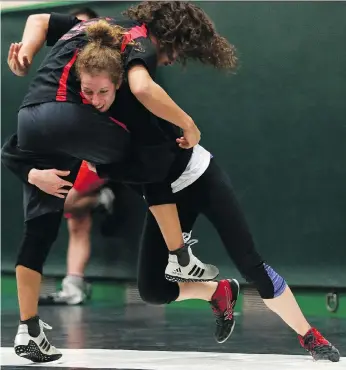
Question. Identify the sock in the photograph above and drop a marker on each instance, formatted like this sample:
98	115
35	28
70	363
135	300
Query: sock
183	255
33	326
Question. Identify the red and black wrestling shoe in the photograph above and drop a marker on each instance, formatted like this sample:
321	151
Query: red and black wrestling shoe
222	303
318	346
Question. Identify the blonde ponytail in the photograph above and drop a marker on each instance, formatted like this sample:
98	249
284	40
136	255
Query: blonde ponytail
104	34
102	52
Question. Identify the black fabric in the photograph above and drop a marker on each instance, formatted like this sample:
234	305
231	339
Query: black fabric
39	236
46	139
213	196
142	52
58	25
71	129
33	324
20	162
258	276
15	160
158	193
146	164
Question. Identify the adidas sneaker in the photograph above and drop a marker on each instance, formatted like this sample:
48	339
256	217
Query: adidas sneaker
183	266
35	348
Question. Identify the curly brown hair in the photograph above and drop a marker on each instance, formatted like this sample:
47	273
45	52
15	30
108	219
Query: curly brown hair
185	29
102	52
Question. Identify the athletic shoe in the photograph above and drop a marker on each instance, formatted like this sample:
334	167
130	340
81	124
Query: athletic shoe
183	266
74	291
318	346
222	303
35	348
106	199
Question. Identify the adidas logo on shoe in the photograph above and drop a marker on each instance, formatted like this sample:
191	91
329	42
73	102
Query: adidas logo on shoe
197	271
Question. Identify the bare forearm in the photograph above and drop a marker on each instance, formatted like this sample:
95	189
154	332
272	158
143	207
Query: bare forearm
34	35
158	102
155	98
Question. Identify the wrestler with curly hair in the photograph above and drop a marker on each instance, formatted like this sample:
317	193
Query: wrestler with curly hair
184	31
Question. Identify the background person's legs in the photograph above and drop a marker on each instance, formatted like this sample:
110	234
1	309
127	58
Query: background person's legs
79	245
74	288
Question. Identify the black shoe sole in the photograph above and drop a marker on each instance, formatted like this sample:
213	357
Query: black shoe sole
229	334
33	353
177	279
332	355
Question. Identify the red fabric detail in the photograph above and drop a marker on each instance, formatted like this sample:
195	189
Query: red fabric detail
120	124
132	34
316	339
61	94
87	180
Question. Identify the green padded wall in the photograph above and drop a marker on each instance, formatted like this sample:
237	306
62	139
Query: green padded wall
278	127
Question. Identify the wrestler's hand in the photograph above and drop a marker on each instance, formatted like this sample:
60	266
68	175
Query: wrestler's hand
191	137
19	63
49	181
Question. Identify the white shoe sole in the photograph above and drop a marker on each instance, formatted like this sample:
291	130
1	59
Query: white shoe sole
180	279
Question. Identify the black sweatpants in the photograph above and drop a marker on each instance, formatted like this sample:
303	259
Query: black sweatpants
39	236
60	135
211	195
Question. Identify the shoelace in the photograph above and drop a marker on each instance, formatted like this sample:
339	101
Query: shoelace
48	327
217	313
221	316
314	339
187	239
44	325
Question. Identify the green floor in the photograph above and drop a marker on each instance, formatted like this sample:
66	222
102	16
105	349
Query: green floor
312	302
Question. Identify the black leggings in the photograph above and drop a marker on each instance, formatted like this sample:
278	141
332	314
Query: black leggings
211	195
39	235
